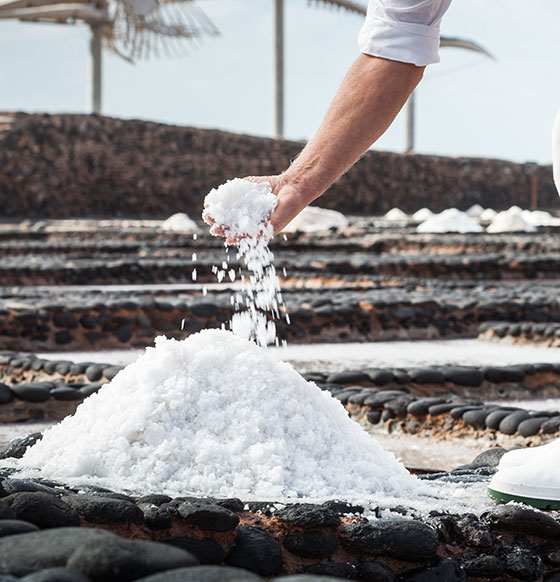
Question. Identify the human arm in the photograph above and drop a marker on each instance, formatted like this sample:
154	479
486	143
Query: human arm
369	98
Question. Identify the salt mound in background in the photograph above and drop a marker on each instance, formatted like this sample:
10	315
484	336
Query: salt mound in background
315	219
450	220
217	415
180	222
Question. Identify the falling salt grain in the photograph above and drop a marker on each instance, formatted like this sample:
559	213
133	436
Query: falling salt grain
194	274
194	256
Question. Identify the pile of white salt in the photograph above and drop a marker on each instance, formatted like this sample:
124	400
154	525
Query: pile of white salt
217	415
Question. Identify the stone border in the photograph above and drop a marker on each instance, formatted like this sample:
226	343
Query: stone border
34	320
525	332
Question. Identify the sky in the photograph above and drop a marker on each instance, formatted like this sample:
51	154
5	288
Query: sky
467	105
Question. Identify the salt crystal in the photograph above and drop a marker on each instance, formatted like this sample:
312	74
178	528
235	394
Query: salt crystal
194	274
215	415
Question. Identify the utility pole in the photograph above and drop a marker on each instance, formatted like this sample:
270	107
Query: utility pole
278	70
94	97
409	124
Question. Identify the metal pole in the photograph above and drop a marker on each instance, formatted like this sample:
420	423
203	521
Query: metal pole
409	124
95	69
278	79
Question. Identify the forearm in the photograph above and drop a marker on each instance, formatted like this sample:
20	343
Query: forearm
369	98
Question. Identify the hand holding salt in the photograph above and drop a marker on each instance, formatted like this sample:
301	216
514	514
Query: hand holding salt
240	209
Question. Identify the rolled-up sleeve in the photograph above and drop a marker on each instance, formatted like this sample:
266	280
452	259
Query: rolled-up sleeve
403	30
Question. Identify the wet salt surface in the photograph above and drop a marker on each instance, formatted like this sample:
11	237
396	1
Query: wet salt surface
338	357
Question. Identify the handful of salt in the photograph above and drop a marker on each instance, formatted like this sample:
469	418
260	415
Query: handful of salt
240	209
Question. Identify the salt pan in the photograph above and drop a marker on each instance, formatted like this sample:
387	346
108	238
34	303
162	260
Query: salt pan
217	415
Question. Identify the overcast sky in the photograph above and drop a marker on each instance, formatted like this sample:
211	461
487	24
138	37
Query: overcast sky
467	104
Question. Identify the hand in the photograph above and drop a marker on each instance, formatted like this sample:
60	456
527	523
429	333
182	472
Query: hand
290	204
290	200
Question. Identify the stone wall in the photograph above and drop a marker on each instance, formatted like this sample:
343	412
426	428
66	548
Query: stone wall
78	165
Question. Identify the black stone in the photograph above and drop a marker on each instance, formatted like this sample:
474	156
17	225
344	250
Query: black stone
343	507
447	570
494	418
65	319
6	512
420	407
16	448
426	376
398	406
62	368
62	337
485	566
379	398
473	532
9	527
464	376
111	371
78	369
19	485
55	575
42	509
122	560
67	394
509	424
489	458
338	570
523	564
507	374
476	418
373	416
373	571
380	377
156	517
437	409
105	509
154	499
6	395
87	321
208	516
256	550
23	554
522	519
94	372
551	426
124	332
308	515
531	426
402	539
459	411
206	310
32	392
90	389
347	377
206	550
205	574
311	544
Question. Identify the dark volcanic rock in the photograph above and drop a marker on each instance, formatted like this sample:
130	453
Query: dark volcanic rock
523	564
421	406
486	566
55	575
522	519
256	550
6	512
32	391
204	574
373	571
311	544
426	376
105	509
121	560
340	570
447	570
9	527
489	458
6	395
494	418
464	376
42	509
16	448
94	372
402	539
531	426
510	423
308	515
208	516
156	517
206	550
23	554
18	485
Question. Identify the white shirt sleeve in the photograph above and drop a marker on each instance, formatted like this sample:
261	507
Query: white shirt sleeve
403	30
